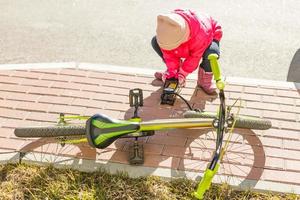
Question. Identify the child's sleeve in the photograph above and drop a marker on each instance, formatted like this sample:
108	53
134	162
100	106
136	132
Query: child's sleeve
191	63
172	63
217	30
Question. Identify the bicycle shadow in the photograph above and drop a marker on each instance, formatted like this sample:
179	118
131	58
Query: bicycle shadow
50	151
247	154
181	150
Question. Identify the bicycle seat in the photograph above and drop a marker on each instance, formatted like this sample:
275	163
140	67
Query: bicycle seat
101	131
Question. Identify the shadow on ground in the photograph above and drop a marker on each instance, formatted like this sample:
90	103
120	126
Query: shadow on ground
246	155
245	149
294	70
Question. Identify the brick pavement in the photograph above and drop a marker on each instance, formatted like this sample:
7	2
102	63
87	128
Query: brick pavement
36	96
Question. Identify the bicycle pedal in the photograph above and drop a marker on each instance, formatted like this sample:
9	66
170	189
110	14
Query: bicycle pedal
170	89
136	97
136	154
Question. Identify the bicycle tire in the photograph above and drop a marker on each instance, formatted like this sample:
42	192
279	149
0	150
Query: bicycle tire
241	121
50	131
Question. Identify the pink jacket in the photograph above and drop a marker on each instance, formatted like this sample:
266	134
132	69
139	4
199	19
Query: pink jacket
203	30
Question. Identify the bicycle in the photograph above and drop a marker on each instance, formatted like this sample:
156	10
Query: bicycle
100	131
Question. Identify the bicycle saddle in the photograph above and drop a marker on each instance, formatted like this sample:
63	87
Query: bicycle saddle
101	131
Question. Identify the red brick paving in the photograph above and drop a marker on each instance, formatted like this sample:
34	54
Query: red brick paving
33	97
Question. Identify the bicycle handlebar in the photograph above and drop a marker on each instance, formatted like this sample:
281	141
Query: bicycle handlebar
213	59
205	182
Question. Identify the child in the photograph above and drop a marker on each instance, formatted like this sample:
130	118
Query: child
182	38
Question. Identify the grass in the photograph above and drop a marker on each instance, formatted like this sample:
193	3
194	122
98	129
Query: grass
22	181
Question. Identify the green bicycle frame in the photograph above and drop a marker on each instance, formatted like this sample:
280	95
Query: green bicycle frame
102	130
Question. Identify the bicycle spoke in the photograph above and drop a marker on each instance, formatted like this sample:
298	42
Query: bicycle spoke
51	151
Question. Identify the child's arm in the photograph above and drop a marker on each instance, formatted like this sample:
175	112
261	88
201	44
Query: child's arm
191	63
172	63
217	30
196	51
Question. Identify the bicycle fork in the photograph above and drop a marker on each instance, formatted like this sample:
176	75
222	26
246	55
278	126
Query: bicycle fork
220	125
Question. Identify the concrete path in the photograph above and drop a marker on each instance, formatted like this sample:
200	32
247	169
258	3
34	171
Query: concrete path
260	37
35	94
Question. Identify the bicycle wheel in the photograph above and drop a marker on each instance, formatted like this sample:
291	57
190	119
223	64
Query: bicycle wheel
241	121
51	131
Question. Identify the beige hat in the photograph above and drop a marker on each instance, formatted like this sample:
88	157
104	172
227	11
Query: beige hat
172	30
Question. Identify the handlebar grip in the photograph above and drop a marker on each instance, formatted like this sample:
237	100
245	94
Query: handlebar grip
213	59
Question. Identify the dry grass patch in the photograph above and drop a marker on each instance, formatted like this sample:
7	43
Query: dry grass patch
21	181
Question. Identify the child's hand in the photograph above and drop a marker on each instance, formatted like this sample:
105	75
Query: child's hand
164	75
181	75
181	80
